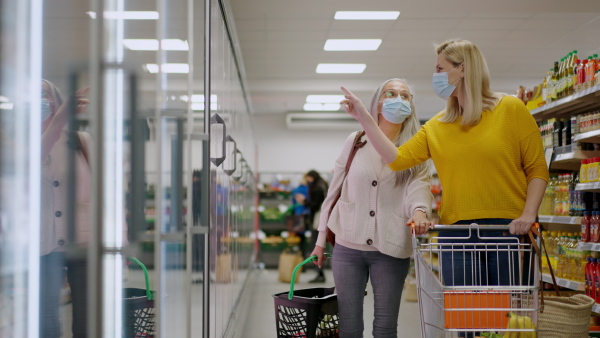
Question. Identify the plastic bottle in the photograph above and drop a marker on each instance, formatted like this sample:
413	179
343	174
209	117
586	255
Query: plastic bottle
594	224
586	222
583	171
597	282
581	72
561	258
588	276
557	196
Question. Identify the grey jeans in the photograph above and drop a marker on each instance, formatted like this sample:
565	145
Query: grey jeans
351	271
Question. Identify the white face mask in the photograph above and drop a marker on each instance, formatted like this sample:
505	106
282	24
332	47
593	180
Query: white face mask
396	110
45	109
441	87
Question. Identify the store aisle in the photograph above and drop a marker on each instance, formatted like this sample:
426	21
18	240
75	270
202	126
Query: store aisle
260	322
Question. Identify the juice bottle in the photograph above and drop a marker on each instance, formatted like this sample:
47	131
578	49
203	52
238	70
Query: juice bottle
561	258
593	68
594	224
546	254
581	72
596	291
588	266
595	279
557	196
583	171
571	268
586	221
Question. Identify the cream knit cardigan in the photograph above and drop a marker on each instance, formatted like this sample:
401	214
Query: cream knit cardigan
372	209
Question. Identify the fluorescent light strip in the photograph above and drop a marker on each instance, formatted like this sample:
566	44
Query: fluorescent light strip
152	44
3	99
200	98
175	68
369	15
6	106
352	44
324	98
341	68
322	106
127	15
200	106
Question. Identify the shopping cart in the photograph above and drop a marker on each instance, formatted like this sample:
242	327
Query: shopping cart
139	320
466	301
307	313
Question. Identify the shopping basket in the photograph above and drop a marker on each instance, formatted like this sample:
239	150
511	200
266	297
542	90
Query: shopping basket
139	320
307	313
468	302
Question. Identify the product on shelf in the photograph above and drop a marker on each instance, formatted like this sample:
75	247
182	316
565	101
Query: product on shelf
594	225
586	222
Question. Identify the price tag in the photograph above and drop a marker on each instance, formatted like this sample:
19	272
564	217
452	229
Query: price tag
563	283
573	286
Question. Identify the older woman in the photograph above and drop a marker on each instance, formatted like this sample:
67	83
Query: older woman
488	152
369	220
54	204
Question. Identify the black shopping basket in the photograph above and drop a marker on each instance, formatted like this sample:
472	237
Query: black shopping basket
308	313
139	320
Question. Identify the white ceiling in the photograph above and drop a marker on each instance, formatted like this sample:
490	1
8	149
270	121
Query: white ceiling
282	42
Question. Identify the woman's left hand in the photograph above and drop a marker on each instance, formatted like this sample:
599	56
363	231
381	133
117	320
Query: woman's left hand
521	225
421	223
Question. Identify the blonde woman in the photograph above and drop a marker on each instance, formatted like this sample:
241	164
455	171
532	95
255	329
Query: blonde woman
369	220
488	153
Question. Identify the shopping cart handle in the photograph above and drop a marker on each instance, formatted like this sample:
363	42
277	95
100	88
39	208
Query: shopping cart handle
483	227
293	281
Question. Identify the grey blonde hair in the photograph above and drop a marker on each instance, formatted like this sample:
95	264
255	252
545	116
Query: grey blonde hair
410	127
57	96
478	95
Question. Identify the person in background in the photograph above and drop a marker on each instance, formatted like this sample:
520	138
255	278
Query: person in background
54	204
317	190
370	219
488	153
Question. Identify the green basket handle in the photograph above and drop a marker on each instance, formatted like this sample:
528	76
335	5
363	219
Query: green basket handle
149	293
293	281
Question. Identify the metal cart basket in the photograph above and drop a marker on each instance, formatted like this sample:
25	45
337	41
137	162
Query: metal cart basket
457	296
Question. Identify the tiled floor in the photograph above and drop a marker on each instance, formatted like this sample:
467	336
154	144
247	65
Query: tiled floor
260	322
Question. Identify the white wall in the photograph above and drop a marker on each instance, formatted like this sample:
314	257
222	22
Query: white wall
283	150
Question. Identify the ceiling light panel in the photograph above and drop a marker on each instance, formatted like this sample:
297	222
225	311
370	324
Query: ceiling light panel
127	15
352	44
341	68
178	68
152	44
324	98
369	15
322	106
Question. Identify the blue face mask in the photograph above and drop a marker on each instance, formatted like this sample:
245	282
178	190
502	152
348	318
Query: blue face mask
45	109
441	87
396	110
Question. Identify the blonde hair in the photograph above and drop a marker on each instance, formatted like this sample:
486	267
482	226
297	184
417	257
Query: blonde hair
478	95
410	127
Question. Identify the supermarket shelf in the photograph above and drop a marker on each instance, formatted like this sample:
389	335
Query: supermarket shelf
592	187
569	284
572	160
589	246
577	103
589	137
559	219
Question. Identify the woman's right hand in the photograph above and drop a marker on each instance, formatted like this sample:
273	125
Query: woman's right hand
320	253
354	106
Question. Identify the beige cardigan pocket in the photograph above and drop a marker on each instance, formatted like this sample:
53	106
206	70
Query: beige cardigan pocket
397	230
347	215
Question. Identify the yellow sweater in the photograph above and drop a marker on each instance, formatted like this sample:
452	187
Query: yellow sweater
484	169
